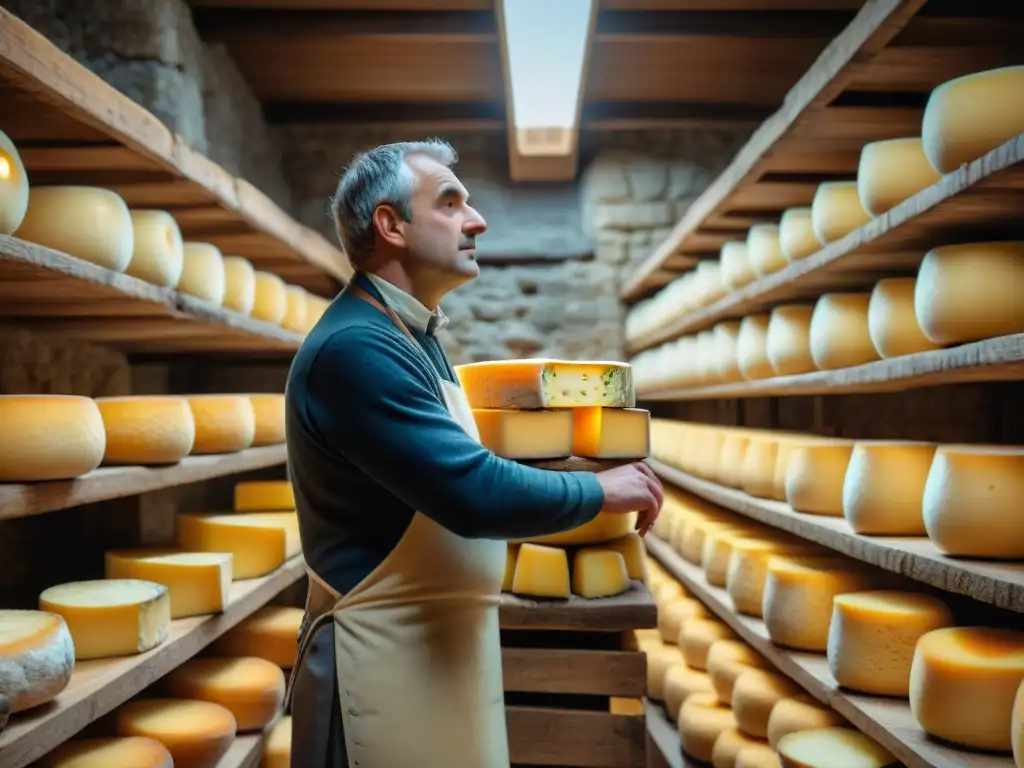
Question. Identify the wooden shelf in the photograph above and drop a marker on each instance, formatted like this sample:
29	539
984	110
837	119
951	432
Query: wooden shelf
634	609
999	359
26	499
246	751
664	736
887	720
71	127
97	687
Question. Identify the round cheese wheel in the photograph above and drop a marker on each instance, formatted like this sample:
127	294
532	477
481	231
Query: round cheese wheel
892	324
134	751
196	733
799	713
815	476
88	223
970	292
839	331
268	411
659	660
146	429
271	633
891	171
696	639
681	682
709	285
726	364
202	274
264	496
830	747
224	423
728	746
49	437
675	615
730	470
239	284
158	252
748	570
691	540
277	752
764	249
735	265
667	592
37	657
1017	727
295	309
789	340
754	693
271	298
796	234
727	660
316	306
752	348
884	487
604	527
702	719
967	117
973	503
963	682
836	210
13	186
758	471
251	688
757	756
199	583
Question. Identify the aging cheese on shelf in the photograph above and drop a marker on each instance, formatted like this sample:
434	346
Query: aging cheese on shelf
271	633
727	660
224	423
544	383
754	694
702	720
836	210
764	249
891	171
511	554
134	751
815	476
158	253
277	753
598	573
963	682
146	429
1017	727
259	543
884	487
730	469
660	658
294	309
788	343
111	617
88	223
726	356
748	570
202	274
268	415
710	285
758	472
796	234
892	323
49	437
37	657
196	733
239	284
696	638
542	571
611	433
681	682
631	547
967	117
839	331
757	756
199	583
541	434
13	186
752	348
264	496
271	298
831	747
674	615
799	713
872	637
250	687
728	746
735	266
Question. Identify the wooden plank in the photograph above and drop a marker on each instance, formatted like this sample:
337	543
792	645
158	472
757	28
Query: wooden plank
97	687
664	736
634	609
562	670
565	737
577	464
246	751
887	720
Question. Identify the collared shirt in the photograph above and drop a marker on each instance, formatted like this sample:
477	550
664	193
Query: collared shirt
409	308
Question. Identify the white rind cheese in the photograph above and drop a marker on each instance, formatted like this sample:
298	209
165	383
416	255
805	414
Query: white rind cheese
37	657
796	234
13	186
884	487
891	171
832	747
158	252
892	323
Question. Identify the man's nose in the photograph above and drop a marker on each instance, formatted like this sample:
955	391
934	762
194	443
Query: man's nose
474	224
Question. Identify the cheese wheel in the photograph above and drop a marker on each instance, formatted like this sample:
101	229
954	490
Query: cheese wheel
13	186
872	637
202	274
748	570
702	720
239	284
676	614
258	545
605	527
196	733
839	331
787	446
666	592
277	752
146	429
891	171
754	694
752	348
49	437
271	298
727	660
643	640
681	682
726	361
788	341
892	324
111	617
133	751
199	583
271	633
264	496
815	477
158	253
831	747
972	505
728	746
708	281
970	292
884	487
542	571
88	223
758	473
294	309
1017	727
757	756
796	234
968	117
659	659
836	210
37	657
730	473
735	265
268	414
598	573
696	638
631	547
764	249
224	423
799	713
963	682
251	688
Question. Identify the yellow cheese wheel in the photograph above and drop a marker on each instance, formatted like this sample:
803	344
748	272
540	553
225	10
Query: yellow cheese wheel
13	186
644	639
708	281
146	429
815	476
196	733
836	210
258	545
727	660
199	583
748	570
542	571
88	223
37	657
666	592
294	309
224	423
891	171
268	412
158	253
271	633
728	746
605	527
702	720
134	751
250	687
967	117
799	713
202	274
239	284
674	615
49	437
796	234
758	474
633	552
1017	727
752	348
754	694
963	682
725	364
735	265
730	470
839	331
831	747
892	323
277	752
788	342
680	683
884	487
264	496
788	444
697	637
764	249
271	298
598	573
659	659
757	756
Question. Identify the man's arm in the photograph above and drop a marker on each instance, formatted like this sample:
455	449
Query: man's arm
377	406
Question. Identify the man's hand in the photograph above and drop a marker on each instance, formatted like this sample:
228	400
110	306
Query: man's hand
633	488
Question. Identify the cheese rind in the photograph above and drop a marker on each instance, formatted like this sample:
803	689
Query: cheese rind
196	733
264	496
611	433
37	657
734	261
839	331
815	476
660	658
294	309
158	252
542	572
892	324
757	756
754	694
202	274
224	423
268	418
727	660
764	249
239	284
271	633
748	570
681	682
13	186
829	747
836	210
271	298
525	435
752	348
277	753
788	341
702	720
133	751
546	383
799	713
259	544
796	234
146	429
891	171
673	616
884	487
250	687
696	638
199	583
728	746
598	573
49	437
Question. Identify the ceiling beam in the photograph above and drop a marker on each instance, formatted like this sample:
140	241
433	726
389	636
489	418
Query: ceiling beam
784	25
220	25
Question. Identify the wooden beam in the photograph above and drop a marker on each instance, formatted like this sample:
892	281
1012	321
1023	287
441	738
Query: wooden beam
248	24
788	25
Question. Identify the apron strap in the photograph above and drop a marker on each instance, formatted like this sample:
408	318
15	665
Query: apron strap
360	293
321	598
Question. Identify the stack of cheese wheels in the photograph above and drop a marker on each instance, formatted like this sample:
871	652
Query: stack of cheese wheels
197	733
543	410
251	688
271	633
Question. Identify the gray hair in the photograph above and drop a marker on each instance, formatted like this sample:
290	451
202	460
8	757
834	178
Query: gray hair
375	177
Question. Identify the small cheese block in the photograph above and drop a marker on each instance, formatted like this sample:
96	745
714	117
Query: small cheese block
277	751
49	437
511	554
892	323
676	614
799	713
884	487
88	223
264	496
146	429
618	705
836	210
758	756
606	526
839	331
831	747
973	502
524	435
542	572
696	638
796	234
599	573
224	423
633	552
660	658
199	582
970	292
202	274
250	687
111	617
752	348
764	249
271	633
196	733
815	477
727	660
294	309
748	570
967	117
268	415
728	746
13	186
758	473
133	751
725	338
788	341
271	298
258	544
1017	727
37	657
754	694
963	682
734	263
702	719
158	252
239	284
891	171
545	383
681	682
872	637
611	433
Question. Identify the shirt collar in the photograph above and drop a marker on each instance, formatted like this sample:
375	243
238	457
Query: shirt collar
407	307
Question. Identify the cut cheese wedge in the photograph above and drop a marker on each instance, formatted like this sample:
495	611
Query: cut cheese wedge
728	746
158	253
757	756
605	527
49	437
111	617
202	274
831	747
37	657
224	423
239	284
525	435
271	633
264	496
891	171
764	249
196	733
13	186
697	637
259	543
734	261
146	430
796	234
727	660
633	552
674	614
511	554
133	751
660	658
800	713
545	383
836	210
815	477
611	433
702	720
268	415
542	571
884	487
788	341
752	348
892	324
294	309
754	694
599	573
681	682
271	298
199	582
250	687
277	752
839	331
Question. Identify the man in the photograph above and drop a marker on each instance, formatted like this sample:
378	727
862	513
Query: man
402	512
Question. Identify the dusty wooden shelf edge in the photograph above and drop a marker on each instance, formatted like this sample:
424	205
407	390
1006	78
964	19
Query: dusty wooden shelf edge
887	720
105	684
664	735
245	751
634	609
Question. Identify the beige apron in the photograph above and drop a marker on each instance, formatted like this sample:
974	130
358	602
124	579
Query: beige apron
416	643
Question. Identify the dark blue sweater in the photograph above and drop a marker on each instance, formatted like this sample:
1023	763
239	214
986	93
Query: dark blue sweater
370	440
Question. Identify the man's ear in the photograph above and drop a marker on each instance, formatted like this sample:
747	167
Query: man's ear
389	226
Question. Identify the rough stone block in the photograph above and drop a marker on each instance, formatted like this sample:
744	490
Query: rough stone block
648	179
630	216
